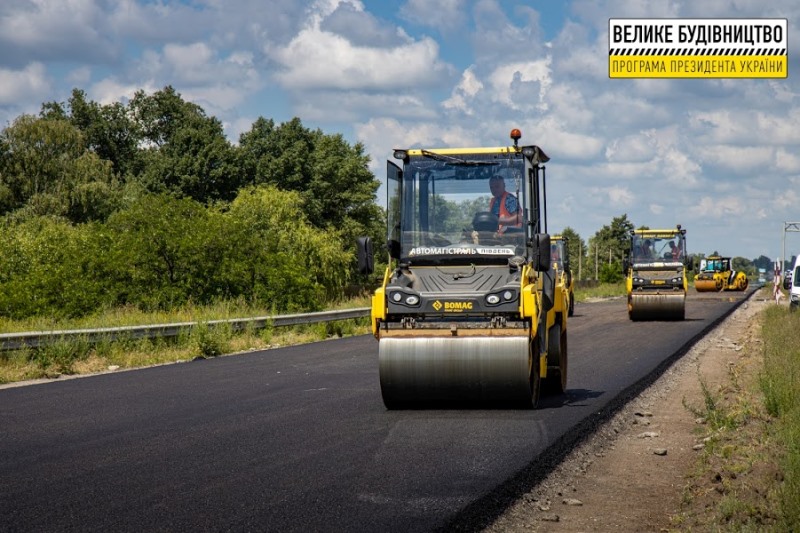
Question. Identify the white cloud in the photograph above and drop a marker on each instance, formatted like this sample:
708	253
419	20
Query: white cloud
617	197
442	15
738	159
620	197
318	59
352	106
109	90
631	149
718	207
55	30
786	161
503	79
467	88
28	85
80	76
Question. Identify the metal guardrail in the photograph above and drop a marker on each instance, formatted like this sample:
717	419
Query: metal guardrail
36	339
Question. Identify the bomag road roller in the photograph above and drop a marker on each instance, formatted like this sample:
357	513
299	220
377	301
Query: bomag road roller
559	263
716	275
468	299
656	274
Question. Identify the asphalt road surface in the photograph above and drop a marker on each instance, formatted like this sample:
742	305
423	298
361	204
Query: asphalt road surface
298	439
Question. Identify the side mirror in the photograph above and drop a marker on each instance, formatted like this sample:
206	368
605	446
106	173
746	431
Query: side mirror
394	249
541	251
366	259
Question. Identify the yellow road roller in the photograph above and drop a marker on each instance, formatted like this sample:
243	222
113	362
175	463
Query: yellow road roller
655	269
559	262
465	313
716	274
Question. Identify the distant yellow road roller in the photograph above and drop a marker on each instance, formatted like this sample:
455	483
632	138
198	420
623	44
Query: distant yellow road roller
717	275
466	311
655	270
559	262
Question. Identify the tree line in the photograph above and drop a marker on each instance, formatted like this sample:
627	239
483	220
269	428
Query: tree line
148	204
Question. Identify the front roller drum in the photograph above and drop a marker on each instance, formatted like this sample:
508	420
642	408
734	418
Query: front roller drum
657	306
708	285
456	371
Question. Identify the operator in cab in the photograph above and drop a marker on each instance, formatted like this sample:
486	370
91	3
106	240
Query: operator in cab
504	205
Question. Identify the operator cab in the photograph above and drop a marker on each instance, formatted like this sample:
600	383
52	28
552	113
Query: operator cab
464	206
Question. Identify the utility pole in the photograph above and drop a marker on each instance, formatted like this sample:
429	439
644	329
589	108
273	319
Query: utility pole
787	226
595	261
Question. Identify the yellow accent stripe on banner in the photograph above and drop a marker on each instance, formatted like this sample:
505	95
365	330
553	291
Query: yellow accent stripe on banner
737	66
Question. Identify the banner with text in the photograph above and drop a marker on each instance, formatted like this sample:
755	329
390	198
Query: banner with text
698	48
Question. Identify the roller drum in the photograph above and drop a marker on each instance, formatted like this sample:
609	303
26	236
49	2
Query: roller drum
454	370
708	285
657	306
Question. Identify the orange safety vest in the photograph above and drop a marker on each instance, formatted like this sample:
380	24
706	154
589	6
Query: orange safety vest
504	212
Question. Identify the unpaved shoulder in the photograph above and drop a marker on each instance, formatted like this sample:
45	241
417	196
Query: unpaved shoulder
631	475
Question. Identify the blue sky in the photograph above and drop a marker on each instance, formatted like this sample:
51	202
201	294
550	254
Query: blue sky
720	157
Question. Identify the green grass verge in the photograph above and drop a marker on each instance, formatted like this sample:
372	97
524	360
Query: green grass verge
603	290
78	356
780	384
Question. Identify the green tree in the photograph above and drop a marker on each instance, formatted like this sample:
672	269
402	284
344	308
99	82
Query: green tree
611	242
166	251
611	272
744	265
577	251
45	169
764	262
331	176
108	129
187	153
35	153
286	262
47	269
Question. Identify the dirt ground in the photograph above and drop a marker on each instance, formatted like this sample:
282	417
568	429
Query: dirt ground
635	473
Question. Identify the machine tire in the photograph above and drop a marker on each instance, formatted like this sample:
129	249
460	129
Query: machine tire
571	310
556	382
535	378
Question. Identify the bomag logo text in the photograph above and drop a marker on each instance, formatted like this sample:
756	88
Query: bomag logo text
457	307
452	307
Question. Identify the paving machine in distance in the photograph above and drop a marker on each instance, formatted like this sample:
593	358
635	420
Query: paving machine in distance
463	312
559	262
716	274
656	274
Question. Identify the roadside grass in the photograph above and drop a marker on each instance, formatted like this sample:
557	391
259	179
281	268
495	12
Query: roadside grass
603	290
748	474
132	316
78	356
780	384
